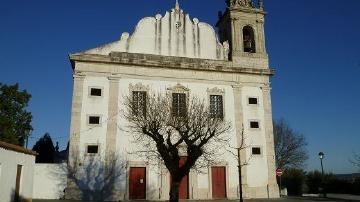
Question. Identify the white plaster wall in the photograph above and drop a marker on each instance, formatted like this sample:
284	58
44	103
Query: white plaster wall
8	163
49	181
92	105
257	172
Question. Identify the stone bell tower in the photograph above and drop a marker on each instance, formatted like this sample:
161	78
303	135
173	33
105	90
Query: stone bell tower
242	25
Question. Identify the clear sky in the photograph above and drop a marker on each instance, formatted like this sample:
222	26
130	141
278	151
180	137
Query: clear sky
313	45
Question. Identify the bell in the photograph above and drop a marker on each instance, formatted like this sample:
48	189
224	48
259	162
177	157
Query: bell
247	44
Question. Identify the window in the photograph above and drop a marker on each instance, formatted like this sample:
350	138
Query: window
97	92
139	103
253	101
249	39
179	104
92	149
94	120
254	124
256	151
216	106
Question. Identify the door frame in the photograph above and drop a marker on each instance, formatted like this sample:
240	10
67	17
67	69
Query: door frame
137	164
226	166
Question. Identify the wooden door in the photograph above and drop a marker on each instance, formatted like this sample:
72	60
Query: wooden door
17	185
218	177
137	183
184	185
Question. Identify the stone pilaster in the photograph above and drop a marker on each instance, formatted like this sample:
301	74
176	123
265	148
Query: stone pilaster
239	124
72	191
113	111
270	151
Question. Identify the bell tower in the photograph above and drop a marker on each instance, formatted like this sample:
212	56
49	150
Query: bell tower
242	25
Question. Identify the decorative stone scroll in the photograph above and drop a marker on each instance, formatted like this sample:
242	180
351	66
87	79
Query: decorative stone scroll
138	87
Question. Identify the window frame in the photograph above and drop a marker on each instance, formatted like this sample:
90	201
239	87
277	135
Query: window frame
95	87
93	124
222	116
253	97
92	154
180	89
144	108
218	92
257	147
255	120
179	113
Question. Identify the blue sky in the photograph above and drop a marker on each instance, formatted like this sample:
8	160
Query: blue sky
313	45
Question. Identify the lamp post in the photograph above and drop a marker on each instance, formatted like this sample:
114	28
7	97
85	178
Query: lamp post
321	156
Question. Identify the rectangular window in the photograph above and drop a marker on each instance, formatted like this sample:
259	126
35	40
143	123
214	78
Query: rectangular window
256	151
92	149
94	120
96	92
254	124
139	103
253	101
179	104
216	106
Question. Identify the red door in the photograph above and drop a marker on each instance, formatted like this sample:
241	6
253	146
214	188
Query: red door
184	185
218	182
137	183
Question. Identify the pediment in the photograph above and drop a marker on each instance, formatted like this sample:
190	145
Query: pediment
174	34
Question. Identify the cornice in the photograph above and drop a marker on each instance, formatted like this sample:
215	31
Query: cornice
167	62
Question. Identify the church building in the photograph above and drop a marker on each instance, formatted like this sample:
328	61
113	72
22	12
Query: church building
173	53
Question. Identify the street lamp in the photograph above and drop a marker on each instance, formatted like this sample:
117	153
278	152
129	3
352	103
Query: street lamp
321	156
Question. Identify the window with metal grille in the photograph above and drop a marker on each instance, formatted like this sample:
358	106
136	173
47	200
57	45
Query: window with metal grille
254	124
253	101
96	92
139	103
179	104
92	149
216	106
94	120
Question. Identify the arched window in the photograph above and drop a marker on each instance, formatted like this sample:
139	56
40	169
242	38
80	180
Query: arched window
249	39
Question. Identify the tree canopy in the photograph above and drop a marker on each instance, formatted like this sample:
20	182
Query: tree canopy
45	148
290	146
15	120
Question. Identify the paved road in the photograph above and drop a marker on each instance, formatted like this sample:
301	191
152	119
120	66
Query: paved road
289	199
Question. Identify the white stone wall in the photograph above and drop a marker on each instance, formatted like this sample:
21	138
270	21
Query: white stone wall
199	184
49	181
9	160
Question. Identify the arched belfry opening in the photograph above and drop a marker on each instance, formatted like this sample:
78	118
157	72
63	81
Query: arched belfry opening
249	39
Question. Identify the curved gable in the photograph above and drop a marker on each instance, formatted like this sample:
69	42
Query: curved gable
173	34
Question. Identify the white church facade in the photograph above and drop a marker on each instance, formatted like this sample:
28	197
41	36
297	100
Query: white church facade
174	53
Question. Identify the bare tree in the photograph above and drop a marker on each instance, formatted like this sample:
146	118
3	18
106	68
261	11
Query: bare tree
290	146
356	160
92	178
240	149
168	132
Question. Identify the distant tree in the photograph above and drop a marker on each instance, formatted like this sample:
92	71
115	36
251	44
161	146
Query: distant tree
45	148
15	121
166	132
290	151
294	180
356	160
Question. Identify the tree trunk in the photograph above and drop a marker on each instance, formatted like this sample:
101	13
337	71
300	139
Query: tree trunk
174	191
